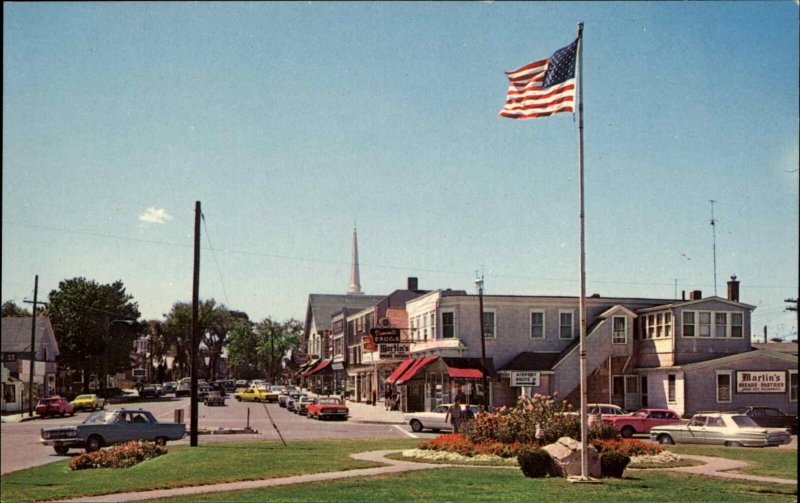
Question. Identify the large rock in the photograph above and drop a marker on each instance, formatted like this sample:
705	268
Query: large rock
566	454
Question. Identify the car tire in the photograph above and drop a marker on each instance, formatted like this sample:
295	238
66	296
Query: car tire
627	431
162	441
94	443
416	426
61	450
665	440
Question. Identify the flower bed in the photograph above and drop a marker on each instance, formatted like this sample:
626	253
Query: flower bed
455	457
119	456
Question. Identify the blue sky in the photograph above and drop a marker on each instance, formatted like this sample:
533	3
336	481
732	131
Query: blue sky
290	122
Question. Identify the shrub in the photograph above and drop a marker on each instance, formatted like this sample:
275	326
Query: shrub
454	442
602	431
630	447
535	462
613	463
120	456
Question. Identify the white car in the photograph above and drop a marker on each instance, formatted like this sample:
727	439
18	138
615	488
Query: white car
433	420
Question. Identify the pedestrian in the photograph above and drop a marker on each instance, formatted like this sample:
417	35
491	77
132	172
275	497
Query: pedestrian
387	397
467	417
454	415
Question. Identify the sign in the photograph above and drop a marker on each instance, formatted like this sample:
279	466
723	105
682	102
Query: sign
525	378
760	381
139	372
385	335
394	350
369	343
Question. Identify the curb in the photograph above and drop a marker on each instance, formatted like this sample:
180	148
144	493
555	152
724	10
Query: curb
372	421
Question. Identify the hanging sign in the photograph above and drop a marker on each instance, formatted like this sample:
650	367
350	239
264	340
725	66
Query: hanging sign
525	378
760	381
385	335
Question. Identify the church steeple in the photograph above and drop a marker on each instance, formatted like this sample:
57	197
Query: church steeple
355	278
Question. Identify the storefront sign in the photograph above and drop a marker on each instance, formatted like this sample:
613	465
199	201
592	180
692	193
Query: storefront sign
385	335
524	378
760	381
394	350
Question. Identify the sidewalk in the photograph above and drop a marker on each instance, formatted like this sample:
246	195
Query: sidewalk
363	413
16	418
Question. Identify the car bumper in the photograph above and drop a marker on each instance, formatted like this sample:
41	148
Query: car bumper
63	442
333	414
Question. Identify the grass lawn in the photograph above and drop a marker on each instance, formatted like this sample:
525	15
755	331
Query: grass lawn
188	466
504	485
766	462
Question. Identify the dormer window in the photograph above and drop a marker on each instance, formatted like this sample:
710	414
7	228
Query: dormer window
620	330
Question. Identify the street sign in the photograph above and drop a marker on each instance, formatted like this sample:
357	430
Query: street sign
385	335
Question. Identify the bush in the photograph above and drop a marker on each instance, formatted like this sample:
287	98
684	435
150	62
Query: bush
602	431
630	447
613	463
120	456
459	444
535	462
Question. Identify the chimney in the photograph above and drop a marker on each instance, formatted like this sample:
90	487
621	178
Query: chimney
733	289
412	283
695	295
683	294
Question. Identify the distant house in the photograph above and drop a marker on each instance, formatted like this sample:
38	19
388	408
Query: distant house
15	347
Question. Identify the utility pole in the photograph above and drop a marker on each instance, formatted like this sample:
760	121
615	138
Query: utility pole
714	233
479	283
195	330
33	346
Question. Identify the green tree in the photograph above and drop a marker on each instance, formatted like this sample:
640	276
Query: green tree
275	340
95	326
10	308
243	350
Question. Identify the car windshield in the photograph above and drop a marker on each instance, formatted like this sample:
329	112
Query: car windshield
84	397
744	422
330	401
100	418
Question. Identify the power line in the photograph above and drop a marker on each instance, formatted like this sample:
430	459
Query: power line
219	269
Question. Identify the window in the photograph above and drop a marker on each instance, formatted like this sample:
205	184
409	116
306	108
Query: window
720	324
688	324
620	330
643	387
425	328
433	325
10	393
651	326
489	328
618	386
667	324
660	325
792	385
537	324
448	325
671	380
737	322
724	386
566	325
705	324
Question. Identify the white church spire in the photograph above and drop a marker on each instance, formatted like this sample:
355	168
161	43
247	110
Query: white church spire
355	278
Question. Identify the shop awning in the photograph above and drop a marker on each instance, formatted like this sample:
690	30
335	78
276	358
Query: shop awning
413	369
400	369
322	365
468	368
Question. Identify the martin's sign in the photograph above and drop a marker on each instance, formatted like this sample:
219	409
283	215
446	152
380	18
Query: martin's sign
760	381
394	350
385	335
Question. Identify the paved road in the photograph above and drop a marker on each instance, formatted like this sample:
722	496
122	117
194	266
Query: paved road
20	447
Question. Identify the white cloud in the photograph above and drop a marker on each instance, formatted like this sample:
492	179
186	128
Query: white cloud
155	216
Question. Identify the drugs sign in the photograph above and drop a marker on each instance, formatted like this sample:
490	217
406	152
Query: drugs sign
385	335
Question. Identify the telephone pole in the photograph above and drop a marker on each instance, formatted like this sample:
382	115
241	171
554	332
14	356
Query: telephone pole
714	232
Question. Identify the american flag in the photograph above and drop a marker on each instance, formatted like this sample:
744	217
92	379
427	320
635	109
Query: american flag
543	87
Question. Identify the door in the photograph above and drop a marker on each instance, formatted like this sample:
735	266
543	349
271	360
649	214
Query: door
633	400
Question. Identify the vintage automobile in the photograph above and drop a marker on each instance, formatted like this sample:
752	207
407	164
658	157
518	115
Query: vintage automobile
148	391
54	406
303	403
729	429
292	403
770	417
641	421
170	387
327	407
103	428
87	402
203	392
274	393
184	389
251	395
214	398
433	420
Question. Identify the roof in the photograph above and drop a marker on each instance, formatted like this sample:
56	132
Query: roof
684	303
528	360
778	347
16	335
321	306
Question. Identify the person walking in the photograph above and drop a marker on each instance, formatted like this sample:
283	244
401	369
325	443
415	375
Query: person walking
453	415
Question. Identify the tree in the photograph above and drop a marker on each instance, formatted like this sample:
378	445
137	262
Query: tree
243	350
11	309
275	341
92	323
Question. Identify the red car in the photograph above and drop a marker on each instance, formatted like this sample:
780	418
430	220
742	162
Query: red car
331	407
641	421
54	406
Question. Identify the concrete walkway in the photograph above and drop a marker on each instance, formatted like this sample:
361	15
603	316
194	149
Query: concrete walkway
713	467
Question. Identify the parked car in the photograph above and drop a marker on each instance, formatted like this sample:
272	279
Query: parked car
170	387
184	389
148	391
274	392
214	398
54	406
303	403
328	407
251	395
103	428
87	402
729	429
292	401
770	417
203	392
434	420
641	421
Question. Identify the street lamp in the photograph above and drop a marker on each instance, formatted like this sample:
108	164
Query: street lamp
479	283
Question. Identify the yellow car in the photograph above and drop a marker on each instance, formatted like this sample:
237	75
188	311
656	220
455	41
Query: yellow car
91	402
251	395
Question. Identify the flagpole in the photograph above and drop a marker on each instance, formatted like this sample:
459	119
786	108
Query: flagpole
582	302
